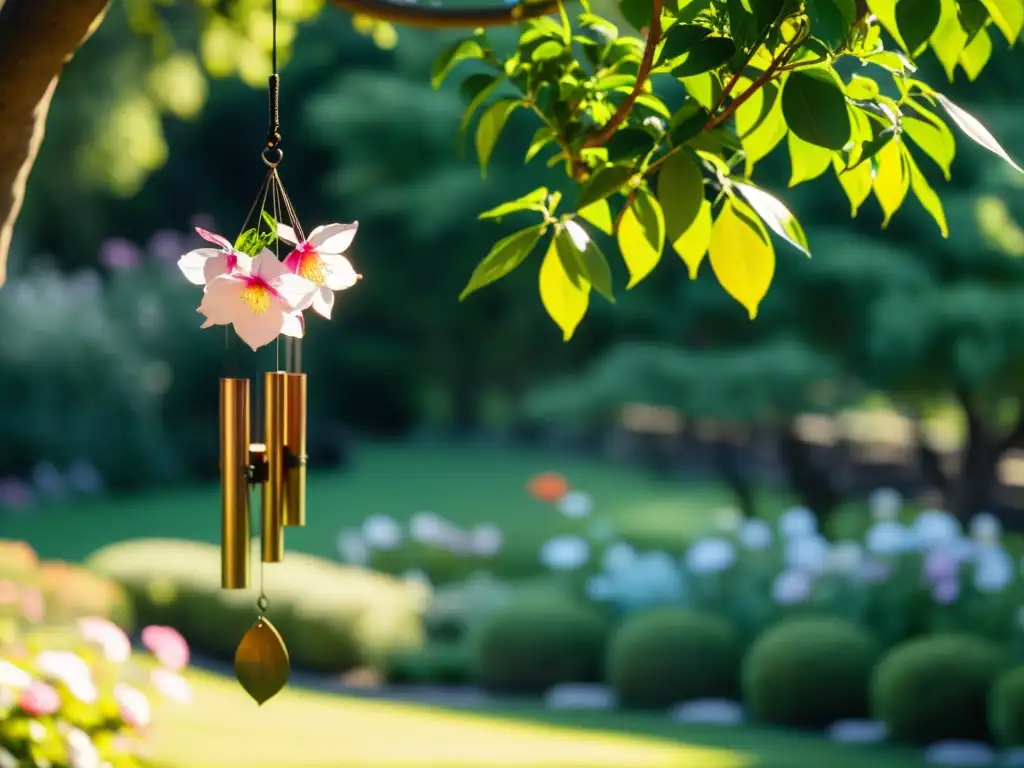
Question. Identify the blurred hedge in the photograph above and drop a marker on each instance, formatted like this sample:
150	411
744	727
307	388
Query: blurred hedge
333	618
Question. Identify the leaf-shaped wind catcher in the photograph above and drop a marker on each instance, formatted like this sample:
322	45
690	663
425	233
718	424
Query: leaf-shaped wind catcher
260	289
261	661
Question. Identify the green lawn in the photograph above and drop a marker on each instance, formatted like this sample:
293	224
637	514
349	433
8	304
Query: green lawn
223	728
465	484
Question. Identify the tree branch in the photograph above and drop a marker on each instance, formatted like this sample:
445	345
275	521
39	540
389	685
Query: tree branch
37	37
426	17
646	64
768	74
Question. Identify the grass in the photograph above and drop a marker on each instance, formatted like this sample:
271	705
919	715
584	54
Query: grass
223	728
467	485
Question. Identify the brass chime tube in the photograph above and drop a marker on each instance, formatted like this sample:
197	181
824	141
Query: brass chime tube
234	498
274	487
295	442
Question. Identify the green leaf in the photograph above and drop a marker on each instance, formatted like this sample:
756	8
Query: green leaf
808	161
970	125
975	56
934	139
476	89
775	214
541	138
856	182
831	21
549	49
270	222
687	213
917	20
885	11
641	236
949	38
1008	15
489	129
759	141
629	144
862	88
461	50
565	301
691	51
814	106
507	254
599	214
533	201
741	255
578	251
636	12
891	182
653	103
607	181
927	196
702	88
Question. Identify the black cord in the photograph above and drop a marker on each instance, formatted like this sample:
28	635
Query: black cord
273	92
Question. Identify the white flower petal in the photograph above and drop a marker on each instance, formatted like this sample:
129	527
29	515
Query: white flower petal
259	329
296	292
222	302
323	300
341	275
294	326
193	264
286	234
266	265
333	238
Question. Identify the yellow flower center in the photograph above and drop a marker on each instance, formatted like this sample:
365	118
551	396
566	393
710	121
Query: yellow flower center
313	269
256	297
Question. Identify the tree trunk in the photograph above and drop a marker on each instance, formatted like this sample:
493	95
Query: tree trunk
971	490
811	483
729	461
37	37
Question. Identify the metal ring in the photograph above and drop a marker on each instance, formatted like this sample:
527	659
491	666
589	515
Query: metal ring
262	603
272	152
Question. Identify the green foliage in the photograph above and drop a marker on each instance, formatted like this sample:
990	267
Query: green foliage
1006	708
527	646
808	673
252	241
332	618
671	655
435	664
936	688
677	170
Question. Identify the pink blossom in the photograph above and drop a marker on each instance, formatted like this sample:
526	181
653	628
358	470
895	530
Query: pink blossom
318	259
171	685
108	636
203	265
133	706
167	644
9	592
39	699
33	606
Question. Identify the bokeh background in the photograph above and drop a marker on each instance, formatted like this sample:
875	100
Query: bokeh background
677	540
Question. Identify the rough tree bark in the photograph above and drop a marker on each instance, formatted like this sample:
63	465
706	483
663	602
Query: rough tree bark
38	37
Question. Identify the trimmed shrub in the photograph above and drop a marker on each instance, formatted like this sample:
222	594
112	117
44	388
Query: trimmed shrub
1006	709
670	655
936	687
435	664
529	645
333	618
809	672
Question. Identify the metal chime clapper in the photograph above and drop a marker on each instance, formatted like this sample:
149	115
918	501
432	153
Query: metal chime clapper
278	467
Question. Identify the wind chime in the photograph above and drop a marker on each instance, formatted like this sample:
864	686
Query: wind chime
250	288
